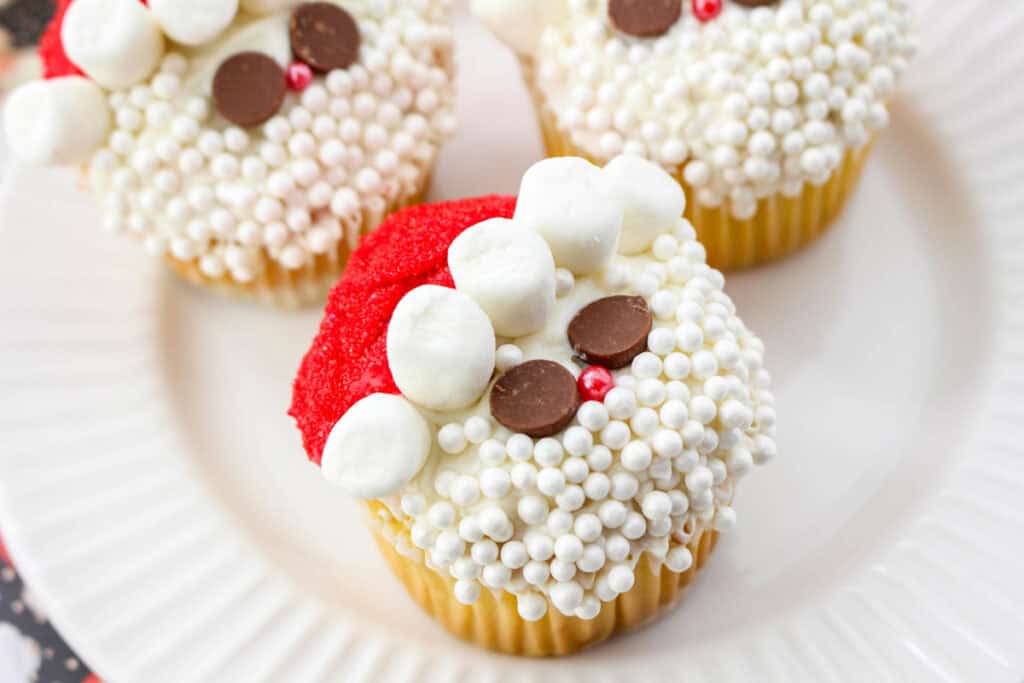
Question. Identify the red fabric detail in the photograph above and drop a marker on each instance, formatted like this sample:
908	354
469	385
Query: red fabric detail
51	50
348	359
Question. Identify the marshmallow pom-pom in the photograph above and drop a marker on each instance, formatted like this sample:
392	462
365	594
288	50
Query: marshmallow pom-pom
652	199
440	348
364	458
59	121
508	271
572	205
193	22
117	43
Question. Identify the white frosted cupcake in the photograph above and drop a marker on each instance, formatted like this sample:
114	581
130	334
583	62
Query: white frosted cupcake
546	405
764	110
250	143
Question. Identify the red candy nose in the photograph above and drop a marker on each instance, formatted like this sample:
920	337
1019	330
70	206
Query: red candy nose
299	76
706	10
594	383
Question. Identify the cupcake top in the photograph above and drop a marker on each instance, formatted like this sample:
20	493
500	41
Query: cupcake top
541	391
744	98
214	129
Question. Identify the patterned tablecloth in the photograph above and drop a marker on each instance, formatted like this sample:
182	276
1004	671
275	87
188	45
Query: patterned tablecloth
31	650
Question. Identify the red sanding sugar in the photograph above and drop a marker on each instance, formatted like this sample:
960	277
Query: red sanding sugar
348	359
51	50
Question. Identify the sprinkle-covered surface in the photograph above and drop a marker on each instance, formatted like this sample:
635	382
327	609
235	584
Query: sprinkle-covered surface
31	651
748	99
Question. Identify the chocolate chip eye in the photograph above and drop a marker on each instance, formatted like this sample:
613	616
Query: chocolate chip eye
249	88
324	36
611	332
644	18
537	398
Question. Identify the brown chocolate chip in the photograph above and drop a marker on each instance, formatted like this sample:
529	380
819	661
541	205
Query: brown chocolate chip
324	36
249	88
611	332
644	18
755	3
537	398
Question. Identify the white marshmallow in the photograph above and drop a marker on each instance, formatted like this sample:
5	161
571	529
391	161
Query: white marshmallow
267	6
653	201
116	42
518	22
362	455
193	22
509	271
440	348
60	121
572	205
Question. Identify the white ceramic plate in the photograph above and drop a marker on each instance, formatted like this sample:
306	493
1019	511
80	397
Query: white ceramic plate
159	501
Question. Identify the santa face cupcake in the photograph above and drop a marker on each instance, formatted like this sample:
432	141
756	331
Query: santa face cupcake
545	403
764	110
249	142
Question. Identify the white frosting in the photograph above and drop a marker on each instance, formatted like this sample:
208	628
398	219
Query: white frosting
362	455
571	204
117	43
440	347
268	6
268	35
509	271
562	522
196	189
653	201
752	103
60	121
193	22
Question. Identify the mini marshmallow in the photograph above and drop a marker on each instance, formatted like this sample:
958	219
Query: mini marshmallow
362	455
116	42
440	348
653	201
60	121
508	271
573	206
193	22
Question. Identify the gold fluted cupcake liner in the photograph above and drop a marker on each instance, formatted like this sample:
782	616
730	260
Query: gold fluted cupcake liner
781	225
296	288
493	621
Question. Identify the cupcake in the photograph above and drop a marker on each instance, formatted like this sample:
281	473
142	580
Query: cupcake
250	143
544	403
763	110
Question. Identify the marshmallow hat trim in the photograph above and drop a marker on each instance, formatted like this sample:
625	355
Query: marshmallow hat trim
348	359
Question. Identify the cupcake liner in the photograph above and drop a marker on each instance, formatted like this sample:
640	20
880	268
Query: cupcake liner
296	288
781	225
493	621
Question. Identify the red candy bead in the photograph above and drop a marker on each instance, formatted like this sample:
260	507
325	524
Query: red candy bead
299	76
594	383
706	10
